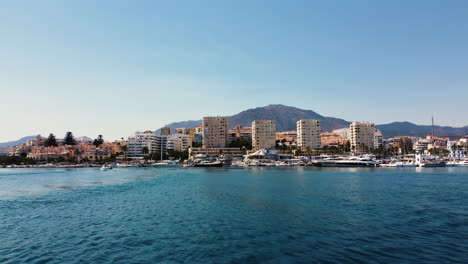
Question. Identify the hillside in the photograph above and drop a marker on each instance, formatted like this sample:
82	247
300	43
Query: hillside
286	117
16	142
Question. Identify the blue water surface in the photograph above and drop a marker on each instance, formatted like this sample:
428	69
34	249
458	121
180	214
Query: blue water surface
263	215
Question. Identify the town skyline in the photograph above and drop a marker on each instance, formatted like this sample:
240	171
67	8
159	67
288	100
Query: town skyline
131	131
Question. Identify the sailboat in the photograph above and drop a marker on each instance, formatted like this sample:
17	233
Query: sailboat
430	161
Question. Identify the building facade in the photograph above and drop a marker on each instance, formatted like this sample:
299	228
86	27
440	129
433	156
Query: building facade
143	143
178	142
362	137
343	132
263	134
308	134
215	132
332	139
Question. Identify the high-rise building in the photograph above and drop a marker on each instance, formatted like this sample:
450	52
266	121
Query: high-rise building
308	133
263	134
215	132
362	137
165	131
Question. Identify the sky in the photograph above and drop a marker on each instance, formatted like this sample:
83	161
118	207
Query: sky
115	67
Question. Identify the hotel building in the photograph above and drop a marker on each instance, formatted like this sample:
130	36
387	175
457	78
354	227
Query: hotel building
215	132
263	134
308	133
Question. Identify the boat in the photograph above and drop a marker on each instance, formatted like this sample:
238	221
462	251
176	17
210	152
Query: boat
106	167
165	164
346	162
126	165
206	163
432	164
48	165
463	163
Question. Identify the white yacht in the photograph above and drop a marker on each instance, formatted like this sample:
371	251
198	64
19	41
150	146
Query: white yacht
346	162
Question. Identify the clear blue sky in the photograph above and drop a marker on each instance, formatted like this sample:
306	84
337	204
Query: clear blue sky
114	67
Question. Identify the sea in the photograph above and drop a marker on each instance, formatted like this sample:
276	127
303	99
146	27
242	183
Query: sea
217	215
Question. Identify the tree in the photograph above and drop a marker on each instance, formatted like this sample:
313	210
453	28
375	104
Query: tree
69	139
145	150
347	146
124	149
98	141
51	141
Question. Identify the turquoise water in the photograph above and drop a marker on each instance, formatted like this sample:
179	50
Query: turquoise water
297	215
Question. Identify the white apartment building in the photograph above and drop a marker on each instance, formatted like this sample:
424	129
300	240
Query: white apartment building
343	132
141	141
308	133
378	138
178	142
263	134
215	132
362	137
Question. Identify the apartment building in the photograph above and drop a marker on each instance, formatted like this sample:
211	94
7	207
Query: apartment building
143	143
308	133
362	137
178	142
215	132
263	134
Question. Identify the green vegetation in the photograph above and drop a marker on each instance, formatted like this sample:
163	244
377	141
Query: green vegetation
9	160
69	139
241	143
51	141
98	141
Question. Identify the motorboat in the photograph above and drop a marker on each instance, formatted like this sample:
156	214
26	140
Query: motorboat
206	163
106	167
346	162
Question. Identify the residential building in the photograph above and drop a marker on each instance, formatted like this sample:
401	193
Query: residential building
178	142
263	134
378	138
332	139
308	134
215	132
362	137
343	132
143	143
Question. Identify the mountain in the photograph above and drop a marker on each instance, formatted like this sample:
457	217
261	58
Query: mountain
286	117
410	129
16	142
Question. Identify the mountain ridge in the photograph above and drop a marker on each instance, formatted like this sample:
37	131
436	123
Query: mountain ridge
286	117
